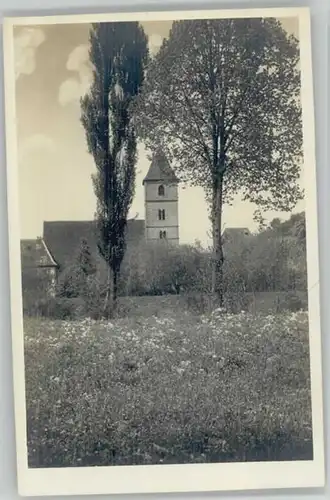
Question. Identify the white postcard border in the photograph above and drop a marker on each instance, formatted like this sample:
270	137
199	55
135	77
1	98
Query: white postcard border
167	478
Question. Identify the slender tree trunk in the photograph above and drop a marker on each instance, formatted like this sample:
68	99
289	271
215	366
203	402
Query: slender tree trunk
107	300
115	275
110	302
217	261
111	298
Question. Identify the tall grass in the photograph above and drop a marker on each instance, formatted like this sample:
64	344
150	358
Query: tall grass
171	389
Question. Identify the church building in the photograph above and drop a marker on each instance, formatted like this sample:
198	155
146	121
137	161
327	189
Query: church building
62	239
161	201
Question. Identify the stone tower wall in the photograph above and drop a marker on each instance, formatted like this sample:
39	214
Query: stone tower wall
167	202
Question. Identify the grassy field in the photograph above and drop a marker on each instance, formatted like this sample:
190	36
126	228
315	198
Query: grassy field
260	302
168	389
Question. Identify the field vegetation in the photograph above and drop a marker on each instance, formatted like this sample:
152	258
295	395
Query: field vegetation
170	389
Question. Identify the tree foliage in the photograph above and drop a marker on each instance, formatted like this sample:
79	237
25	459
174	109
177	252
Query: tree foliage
118	53
222	100
74	280
85	260
228	87
159	269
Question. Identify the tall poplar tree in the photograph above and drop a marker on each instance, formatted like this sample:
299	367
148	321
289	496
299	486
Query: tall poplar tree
118	53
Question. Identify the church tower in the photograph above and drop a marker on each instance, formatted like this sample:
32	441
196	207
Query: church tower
161	201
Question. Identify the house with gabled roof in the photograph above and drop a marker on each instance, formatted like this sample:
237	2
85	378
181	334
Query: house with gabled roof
38	266
63	238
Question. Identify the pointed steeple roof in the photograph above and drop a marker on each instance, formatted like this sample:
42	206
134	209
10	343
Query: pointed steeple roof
160	169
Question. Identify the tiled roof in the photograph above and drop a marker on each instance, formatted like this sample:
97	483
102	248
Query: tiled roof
34	253
63	238
160	170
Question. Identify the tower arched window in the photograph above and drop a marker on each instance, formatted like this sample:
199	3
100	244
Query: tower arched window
162	235
161	214
161	190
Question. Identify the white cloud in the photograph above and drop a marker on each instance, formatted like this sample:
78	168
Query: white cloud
69	91
25	46
78	58
73	88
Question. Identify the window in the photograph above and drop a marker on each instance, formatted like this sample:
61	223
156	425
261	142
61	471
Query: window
162	235
161	214
161	190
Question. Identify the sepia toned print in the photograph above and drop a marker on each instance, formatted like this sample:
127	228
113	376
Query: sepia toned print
164	262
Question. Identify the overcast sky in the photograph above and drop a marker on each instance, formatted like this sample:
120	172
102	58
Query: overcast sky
52	72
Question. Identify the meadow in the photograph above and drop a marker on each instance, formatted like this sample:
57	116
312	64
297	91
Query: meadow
170	388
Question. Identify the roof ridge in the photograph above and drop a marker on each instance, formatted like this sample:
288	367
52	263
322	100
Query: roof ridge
72	221
63	237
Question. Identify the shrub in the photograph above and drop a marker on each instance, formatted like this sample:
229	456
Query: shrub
290	301
257	263
35	290
94	296
266	262
62	308
74	279
157	269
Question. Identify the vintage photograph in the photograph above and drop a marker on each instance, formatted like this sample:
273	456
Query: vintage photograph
162	211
